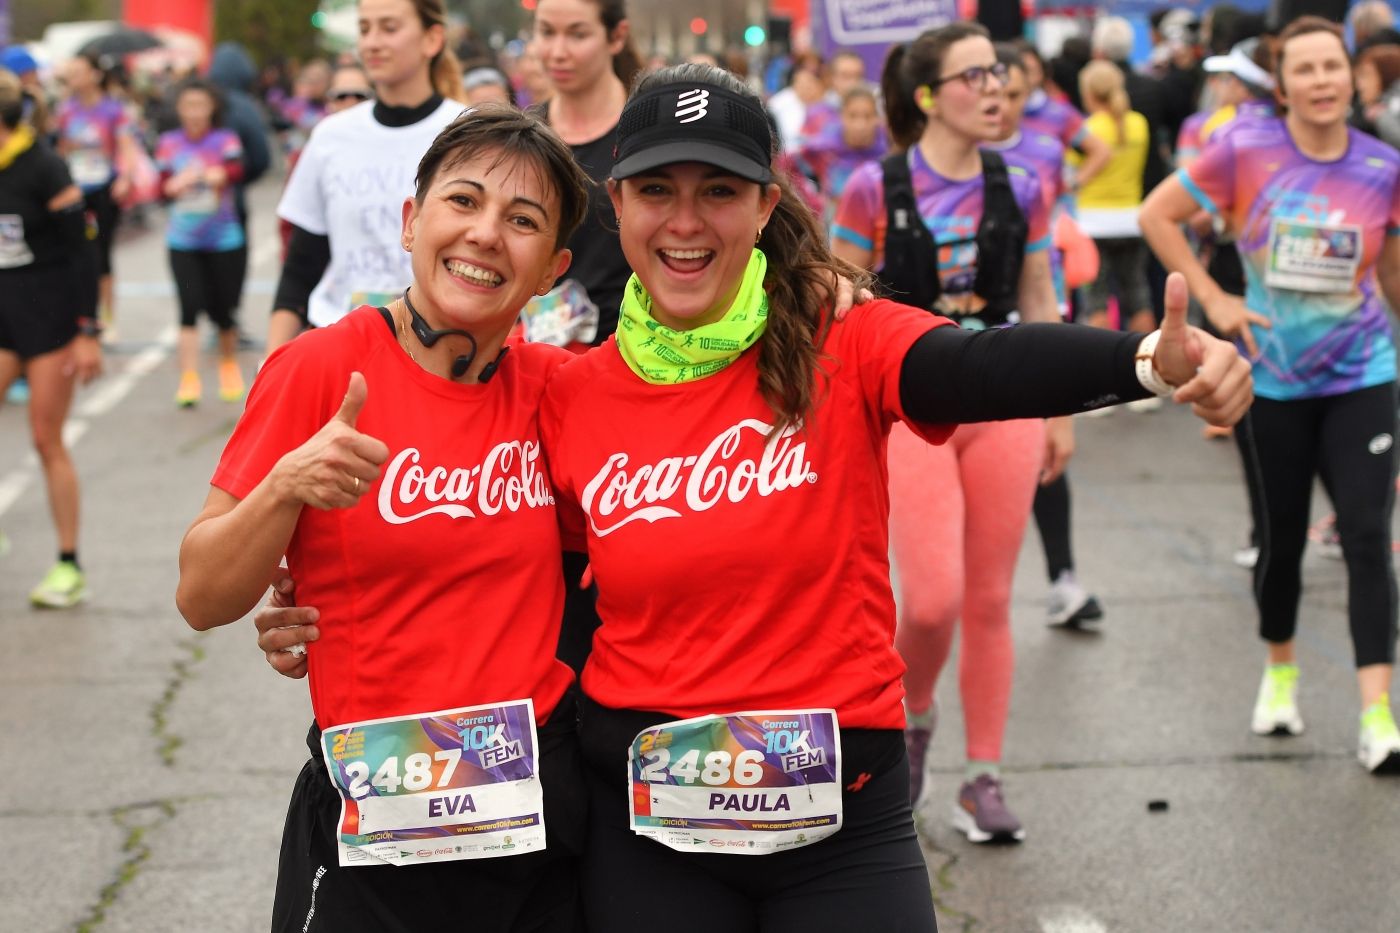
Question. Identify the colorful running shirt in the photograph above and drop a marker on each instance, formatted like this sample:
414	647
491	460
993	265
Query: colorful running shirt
1044	156
1225	118
89	137
736	573
1188	140
951	210
203	218
442	587
1310	234
303	115
352	179
1057	118
833	161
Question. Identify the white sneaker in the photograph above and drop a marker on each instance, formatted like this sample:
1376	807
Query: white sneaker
1379	748
1070	603
1276	707
1145	405
1246	557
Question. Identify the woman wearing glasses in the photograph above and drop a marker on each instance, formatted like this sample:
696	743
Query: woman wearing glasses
344	248
957	510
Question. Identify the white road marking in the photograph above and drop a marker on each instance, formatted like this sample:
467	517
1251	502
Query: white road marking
104	398
1068	918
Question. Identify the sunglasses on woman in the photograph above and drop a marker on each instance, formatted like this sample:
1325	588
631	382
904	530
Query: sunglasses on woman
342	96
975	77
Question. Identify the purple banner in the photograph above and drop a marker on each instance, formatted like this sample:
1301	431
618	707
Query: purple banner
870	27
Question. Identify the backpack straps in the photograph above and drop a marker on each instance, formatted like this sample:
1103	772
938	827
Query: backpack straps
910	272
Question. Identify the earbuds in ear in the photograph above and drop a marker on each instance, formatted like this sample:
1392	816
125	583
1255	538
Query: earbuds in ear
924	97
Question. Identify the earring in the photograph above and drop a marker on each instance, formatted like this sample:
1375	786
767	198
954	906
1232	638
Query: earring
757	236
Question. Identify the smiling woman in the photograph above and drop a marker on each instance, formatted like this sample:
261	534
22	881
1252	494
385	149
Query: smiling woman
1314	209
462	528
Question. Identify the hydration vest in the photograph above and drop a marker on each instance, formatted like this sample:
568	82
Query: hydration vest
910	273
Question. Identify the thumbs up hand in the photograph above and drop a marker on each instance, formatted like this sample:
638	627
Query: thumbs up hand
1207	372
337	465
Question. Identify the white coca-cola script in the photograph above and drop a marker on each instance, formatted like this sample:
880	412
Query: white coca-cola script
509	478
617	495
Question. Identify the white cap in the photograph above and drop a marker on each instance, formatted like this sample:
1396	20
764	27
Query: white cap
1239	64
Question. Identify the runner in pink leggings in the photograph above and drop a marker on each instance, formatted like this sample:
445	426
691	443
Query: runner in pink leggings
920	219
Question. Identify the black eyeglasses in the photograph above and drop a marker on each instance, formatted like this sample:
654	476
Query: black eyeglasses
341	96
975	77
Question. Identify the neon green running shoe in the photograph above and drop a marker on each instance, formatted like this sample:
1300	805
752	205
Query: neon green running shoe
1379	749
63	586
1276	708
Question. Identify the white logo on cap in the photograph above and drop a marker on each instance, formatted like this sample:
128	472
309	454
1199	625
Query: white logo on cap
690	106
1380	443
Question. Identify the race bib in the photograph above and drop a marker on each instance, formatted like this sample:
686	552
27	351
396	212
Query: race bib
199	199
563	316
14	250
1310	257
457	784
372	298
746	783
89	167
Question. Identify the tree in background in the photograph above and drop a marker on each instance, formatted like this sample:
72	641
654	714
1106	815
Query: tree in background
268	29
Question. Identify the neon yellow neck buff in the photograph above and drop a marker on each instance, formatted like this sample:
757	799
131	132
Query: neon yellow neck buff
19	142
664	356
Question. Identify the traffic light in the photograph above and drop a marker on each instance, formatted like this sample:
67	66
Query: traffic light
698	26
318	20
755	36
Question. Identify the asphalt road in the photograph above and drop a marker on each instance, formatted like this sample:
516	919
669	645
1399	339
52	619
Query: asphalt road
147	768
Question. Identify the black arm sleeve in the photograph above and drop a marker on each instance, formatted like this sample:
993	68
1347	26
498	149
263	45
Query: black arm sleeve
953	376
82	258
308	255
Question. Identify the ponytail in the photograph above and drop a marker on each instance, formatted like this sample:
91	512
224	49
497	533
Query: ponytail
445	72
1102	83
905	121
627	63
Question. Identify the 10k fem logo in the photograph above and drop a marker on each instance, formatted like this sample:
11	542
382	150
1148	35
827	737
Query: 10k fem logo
651	492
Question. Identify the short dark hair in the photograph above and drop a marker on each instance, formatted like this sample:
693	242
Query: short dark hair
511	135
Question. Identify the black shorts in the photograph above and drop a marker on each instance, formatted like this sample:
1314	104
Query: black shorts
870	875
105	213
37	311
209	282
534	893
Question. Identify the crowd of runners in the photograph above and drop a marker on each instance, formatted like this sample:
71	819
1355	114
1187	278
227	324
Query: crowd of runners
565	336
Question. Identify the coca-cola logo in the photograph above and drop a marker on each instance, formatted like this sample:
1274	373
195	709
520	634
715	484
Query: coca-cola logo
510	478
617	495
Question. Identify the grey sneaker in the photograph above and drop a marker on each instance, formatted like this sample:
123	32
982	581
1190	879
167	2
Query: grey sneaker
981	814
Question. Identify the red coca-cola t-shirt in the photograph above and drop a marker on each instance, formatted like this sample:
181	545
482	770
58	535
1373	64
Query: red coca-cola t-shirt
733	574
442	587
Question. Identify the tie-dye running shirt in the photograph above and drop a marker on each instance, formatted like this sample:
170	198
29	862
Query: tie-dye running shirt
1310	234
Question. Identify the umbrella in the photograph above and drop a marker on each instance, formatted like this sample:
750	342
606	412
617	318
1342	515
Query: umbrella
124	41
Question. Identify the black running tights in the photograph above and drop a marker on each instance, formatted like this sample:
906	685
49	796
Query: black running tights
1052	521
1349	441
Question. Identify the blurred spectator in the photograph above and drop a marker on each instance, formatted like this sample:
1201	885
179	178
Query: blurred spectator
231	70
350	85
1369	20
858	136
805	87
531	83
37	106
487	85
307	105
1377	96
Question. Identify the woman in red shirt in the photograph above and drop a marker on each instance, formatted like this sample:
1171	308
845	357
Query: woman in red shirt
725	455
443	721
